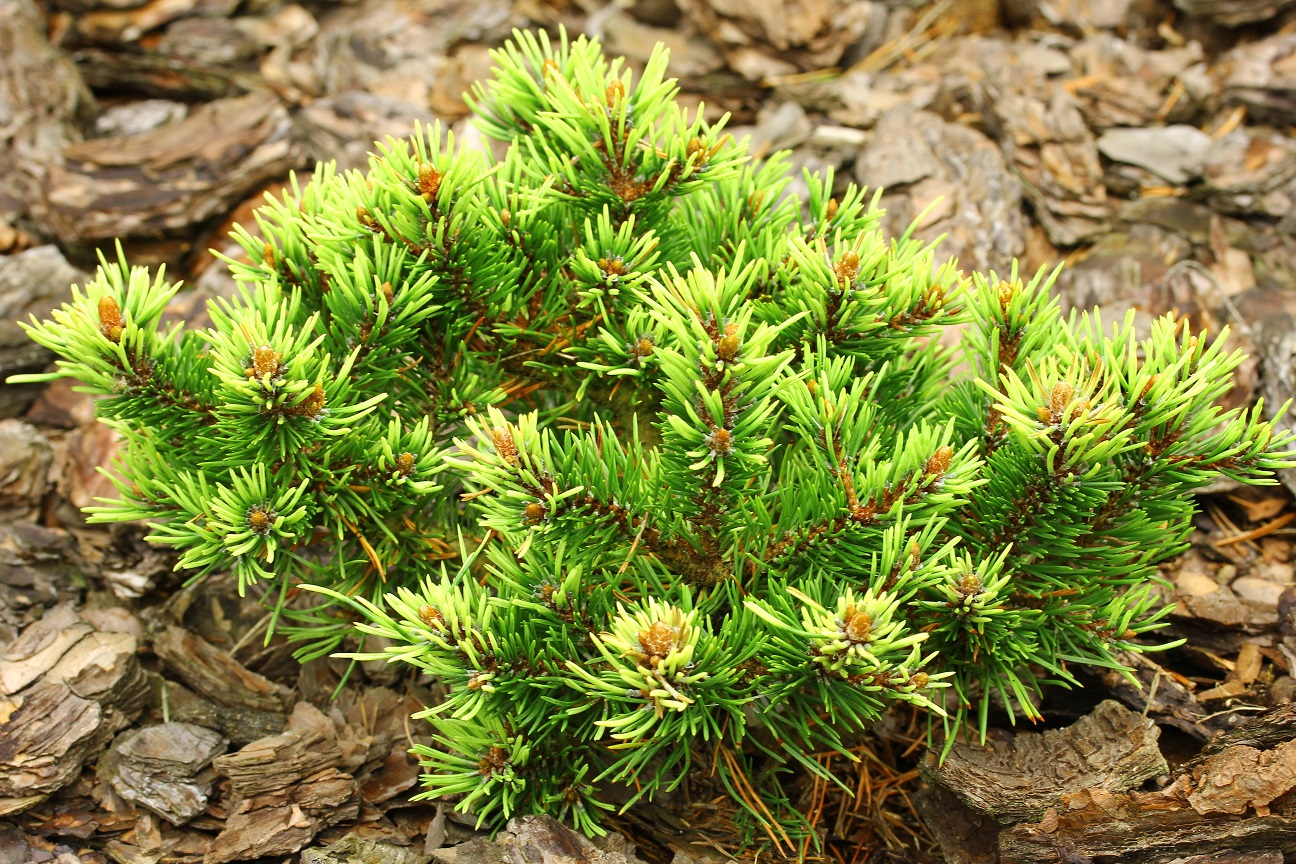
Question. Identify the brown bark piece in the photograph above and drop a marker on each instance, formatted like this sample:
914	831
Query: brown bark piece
48	736
173	177
213	673
1264	731
104	667
240	725
1039	125
1261	75
1111	748
278	761
160	75
1161	695
1150	827
42	101
88	685
964	836
39	647
1243	778
283	821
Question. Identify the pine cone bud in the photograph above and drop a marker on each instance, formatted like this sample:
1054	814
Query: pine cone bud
110	318
657	640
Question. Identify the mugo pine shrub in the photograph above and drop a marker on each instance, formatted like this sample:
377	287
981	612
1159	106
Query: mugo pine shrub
657	466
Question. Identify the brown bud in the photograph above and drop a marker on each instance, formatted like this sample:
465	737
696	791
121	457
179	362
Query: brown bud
830	212
506	218
365	219
968	584
614	93
612	266
265	363
812	386
495	760
405	464
728	347
260	520
431	617
502	438
847	268
535	513
110	318
938	463
387	293
429	182
1060	397
1006	292
268	254
858	626
549	68
657	640
919	680
720	441
644	347
1147	388
312	406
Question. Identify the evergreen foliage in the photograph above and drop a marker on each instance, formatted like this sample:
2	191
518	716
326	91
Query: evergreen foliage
658	466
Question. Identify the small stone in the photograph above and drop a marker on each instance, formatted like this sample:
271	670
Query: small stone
780	128
1173	153
135	118
1195	584
1283	689
838	138
1262	592
1279	571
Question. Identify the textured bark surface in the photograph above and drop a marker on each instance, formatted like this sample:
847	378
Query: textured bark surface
1019	779
213	673
172	178
65	690
1238	798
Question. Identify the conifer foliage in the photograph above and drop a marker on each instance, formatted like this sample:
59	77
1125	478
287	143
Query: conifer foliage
660	469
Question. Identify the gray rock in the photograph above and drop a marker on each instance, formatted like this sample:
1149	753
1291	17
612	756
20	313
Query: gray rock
780	128
43	103
158	767
1248	171
343	128
25	458
1173	153
354	850
1262	76
1253	589
32	283
919	159
135	118
536	840
1234	13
